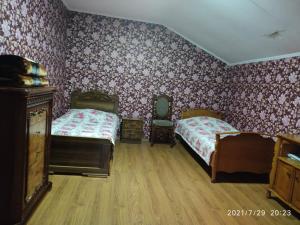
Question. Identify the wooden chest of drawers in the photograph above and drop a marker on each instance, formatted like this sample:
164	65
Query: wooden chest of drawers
25	124
132	130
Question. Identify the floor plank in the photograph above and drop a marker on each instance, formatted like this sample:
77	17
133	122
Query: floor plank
155	185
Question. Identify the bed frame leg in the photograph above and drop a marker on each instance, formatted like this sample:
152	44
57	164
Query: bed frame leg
213	175
268	194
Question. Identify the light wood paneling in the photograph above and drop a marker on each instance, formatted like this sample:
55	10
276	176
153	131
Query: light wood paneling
152	186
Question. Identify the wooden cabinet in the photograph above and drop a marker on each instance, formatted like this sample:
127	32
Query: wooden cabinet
285	173
296	190
24	136
132	130
283	180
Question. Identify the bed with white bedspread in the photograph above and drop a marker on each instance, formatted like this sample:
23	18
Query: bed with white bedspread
89	123
221	146
200	133
83	139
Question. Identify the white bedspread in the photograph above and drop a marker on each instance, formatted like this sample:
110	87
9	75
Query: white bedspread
89	123
200	133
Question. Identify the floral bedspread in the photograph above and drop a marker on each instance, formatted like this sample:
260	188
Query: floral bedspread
200	134
89	123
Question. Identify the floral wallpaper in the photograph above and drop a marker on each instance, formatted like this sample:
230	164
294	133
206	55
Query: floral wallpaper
37	30
136	60
264	96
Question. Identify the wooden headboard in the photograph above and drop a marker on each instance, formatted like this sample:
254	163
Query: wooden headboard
200	112
94	100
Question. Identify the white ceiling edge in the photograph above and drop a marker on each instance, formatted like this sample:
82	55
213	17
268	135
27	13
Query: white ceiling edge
106	14
66	4
285	56
296	54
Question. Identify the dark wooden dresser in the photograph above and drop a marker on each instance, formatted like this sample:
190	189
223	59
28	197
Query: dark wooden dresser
25	125
131	130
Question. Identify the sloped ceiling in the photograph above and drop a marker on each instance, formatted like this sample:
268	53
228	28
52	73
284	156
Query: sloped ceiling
235	31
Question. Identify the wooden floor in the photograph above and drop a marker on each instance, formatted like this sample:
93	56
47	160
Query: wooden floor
152	186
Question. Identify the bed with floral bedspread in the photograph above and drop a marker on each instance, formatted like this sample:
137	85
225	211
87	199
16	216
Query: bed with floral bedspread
83	139
221	146
88	123
200	134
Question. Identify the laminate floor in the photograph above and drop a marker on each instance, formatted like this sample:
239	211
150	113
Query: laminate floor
155	185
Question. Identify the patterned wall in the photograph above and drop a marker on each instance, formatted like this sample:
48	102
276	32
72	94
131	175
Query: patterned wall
37	30
136	60
265	96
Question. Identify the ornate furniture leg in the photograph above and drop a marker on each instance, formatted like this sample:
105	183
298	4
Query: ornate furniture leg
172	138
152	135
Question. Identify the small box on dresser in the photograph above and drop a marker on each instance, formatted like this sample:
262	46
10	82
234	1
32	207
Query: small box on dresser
131	130
25	126
285	173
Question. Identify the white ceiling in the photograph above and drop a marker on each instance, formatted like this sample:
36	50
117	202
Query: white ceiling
234	31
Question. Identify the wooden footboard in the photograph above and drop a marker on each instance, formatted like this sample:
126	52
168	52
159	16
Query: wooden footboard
242	152
85	156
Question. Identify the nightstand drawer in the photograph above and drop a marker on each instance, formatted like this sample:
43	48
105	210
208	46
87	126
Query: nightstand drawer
132	130
132	124
131	134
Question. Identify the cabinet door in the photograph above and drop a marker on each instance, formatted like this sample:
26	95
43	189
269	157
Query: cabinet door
36	150
296	191
283	180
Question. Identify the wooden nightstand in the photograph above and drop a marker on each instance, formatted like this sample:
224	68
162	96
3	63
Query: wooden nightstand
131	130
285	173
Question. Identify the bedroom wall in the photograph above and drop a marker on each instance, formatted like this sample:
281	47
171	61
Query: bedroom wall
265	96
136	60
37	30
